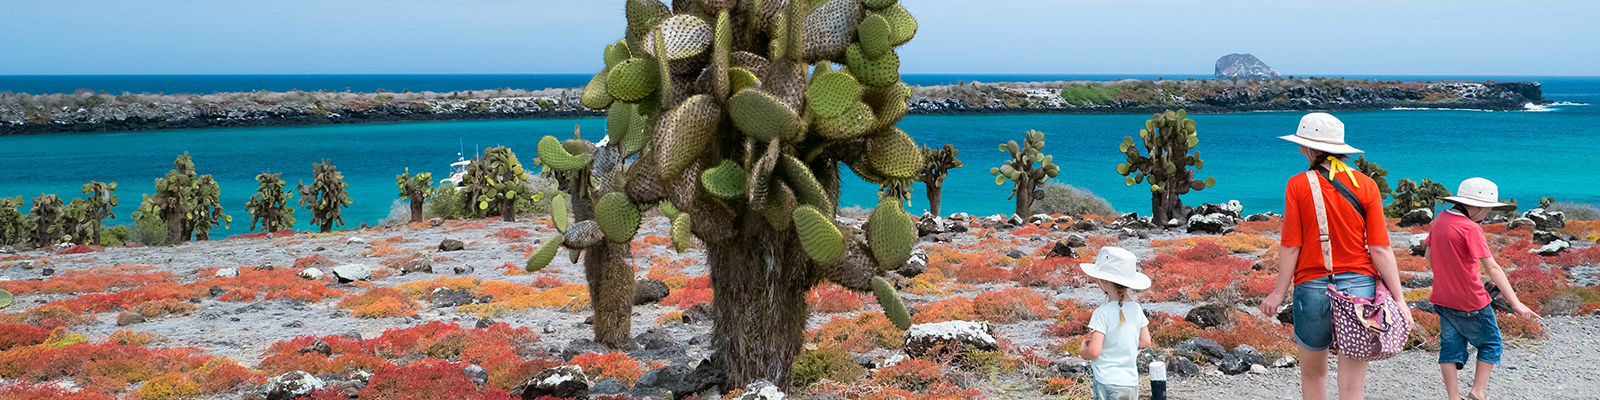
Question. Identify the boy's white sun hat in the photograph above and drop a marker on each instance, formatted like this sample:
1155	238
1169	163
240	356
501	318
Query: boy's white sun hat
1322	132
1117	265
1479	192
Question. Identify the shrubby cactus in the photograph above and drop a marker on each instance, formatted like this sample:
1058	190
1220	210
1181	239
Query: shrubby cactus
15	228
1167	137
936	165
46	216
1410	195
415	189
270	205
207	210
494	183
1377	173
97	207
739	117
325	196
186	202
602	224
1020	169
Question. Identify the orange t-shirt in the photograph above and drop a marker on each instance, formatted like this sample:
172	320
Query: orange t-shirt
1348	233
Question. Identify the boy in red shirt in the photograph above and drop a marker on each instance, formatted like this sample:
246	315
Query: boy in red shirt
1457	250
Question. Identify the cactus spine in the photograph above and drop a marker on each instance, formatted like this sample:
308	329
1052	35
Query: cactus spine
1409	195
588	176
324	197
936	165
755	90
270	205
1020	169
416	189
1167	137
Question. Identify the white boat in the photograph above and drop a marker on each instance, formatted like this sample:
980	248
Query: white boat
457	173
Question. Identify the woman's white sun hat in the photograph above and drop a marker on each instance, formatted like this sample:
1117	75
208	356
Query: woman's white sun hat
1479	192
1322	132
1117	265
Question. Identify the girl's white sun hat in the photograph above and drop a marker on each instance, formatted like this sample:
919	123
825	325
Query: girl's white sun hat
1117	265
1322	132
1479	192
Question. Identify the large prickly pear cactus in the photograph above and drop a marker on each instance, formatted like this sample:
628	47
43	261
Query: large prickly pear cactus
174	199
1409	195
207	210
1377	173
325	196
936	165
494	183
597	220
270	205
1167	138
1020	169
15	228
97	207
415	189
46	215
739	114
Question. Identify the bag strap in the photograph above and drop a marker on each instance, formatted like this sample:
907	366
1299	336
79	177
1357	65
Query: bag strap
1345	191
1322	220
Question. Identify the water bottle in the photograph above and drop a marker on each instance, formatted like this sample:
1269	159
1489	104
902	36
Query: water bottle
1158	380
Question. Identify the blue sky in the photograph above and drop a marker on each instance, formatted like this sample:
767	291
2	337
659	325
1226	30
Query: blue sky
1404	37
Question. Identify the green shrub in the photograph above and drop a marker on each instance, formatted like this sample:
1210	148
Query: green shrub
446	203
829	363
1575	211
115	236
148	229
1089	93
1071	200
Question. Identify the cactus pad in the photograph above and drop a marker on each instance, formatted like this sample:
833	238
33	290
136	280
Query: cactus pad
681	236
763	116
596	96
881	71
683	36
689	129
856	120
546	253
875	34
780	206
829	28
617	53
877	4
902	26
725	181
807	190
831	93
894	155
892	307
560	207
891	234
740	78
618	218
583	234
818	236
619	121
555	155
633	79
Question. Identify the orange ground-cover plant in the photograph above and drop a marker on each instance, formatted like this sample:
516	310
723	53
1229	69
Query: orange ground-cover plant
697	291
610	365
861	334
380	303
832	298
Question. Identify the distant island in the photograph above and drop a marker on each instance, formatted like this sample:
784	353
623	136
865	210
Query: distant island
87	111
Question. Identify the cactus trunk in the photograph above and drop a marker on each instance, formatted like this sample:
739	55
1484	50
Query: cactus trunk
1164	206
1024	197
508	211
760	278
610	278
416	208
935	192
174	218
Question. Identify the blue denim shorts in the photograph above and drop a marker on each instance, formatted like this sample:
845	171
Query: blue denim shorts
1459	328
1313	310
1114	392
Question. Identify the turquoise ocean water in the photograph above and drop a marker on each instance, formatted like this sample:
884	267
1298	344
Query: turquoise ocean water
1545	151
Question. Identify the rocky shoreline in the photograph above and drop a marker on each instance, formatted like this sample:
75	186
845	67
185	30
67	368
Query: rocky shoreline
99	112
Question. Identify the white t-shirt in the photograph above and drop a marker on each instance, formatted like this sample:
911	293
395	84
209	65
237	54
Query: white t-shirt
1120	349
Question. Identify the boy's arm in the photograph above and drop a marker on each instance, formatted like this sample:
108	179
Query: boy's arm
1144	337
1498	276
1090	349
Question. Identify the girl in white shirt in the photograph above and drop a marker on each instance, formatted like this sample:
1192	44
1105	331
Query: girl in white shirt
1118	328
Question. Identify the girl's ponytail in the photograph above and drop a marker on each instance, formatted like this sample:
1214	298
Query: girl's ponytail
1122	294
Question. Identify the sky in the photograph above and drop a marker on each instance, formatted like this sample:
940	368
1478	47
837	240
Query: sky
1388	37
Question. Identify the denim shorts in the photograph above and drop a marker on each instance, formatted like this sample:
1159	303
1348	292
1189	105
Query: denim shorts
1313	310
1115	392
1459	328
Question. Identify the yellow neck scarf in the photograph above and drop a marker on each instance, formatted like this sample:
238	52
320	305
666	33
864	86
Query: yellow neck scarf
1336	166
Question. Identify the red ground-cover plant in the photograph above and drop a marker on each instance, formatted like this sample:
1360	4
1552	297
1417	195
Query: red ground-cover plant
1073	320
88	282
1195	274
984	267
1167	330
314	260
79	249
47	391
611	365
951	309
18	335
546	282
832	298
698	291
861	334
1010	306
426	379
1271	339
275	283
1033	271
110	366
494	348
910	375
380	303
1514	326
1272	225
525	249
510	234
1029	230
1410	263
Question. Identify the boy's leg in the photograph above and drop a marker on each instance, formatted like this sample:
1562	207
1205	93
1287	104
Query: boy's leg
1452	389
1485	337
1480	380
1452	350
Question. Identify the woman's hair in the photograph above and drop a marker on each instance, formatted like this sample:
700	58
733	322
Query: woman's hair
1461	208
1318	156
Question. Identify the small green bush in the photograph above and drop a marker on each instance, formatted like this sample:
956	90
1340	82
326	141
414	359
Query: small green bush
148	229
1575	211
446	203
1071	200
115	236
829	363
1089	93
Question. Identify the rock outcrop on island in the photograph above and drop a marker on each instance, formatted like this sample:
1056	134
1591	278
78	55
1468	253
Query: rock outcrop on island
85	111
1244	66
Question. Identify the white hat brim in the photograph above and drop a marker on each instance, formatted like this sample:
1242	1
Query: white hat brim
1480	203
1138	281
1331	148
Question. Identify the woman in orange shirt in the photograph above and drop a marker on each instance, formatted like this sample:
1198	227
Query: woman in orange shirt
1358	241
